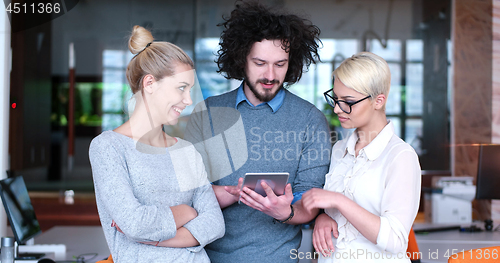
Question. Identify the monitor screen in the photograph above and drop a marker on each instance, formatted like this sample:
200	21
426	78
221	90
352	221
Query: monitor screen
19	209
488	174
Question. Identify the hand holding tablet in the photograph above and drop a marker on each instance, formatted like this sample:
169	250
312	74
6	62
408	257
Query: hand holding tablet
277	182
273	199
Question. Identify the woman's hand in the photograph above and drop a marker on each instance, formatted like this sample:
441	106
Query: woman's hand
324	227
113	224
183	238
182	214
319	198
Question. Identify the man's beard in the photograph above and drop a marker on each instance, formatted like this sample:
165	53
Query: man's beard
267	96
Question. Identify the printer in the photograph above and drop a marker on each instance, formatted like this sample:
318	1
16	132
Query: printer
450	200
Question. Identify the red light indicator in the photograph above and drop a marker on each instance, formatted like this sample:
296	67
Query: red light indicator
14	105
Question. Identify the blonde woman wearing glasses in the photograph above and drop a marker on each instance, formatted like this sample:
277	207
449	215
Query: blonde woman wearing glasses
372	191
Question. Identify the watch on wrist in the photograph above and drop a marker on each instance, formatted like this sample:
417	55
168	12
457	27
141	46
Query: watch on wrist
286	220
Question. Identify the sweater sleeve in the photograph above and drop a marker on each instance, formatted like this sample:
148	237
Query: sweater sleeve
209	224
114	192
400	202
315	157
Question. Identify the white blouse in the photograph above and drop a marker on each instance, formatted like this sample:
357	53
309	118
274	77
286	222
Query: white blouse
385	179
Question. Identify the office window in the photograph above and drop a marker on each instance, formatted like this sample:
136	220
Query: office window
414	93
404	106
211	82
115	91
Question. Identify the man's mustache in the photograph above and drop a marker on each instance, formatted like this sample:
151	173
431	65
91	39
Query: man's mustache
266	81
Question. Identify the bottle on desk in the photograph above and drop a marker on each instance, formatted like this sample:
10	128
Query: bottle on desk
7	252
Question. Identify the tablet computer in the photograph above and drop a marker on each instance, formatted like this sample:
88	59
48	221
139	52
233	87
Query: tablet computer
277	182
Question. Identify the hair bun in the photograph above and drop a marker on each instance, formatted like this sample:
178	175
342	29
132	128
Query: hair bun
139	39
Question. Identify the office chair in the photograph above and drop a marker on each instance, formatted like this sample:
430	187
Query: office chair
412	250
485	254
108	260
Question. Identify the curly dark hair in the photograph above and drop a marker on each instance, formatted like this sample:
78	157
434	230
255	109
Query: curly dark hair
252	22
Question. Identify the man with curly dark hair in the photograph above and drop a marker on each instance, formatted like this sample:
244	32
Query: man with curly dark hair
250	23
261	127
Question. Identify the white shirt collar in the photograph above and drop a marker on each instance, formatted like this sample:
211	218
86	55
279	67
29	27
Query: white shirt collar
376	146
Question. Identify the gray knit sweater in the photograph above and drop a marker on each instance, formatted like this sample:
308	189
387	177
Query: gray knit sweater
294	139
135	185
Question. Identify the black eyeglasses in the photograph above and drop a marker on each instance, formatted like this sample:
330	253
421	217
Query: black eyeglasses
345	106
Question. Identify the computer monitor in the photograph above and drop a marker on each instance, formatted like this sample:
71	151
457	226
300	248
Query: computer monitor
488	174
19	209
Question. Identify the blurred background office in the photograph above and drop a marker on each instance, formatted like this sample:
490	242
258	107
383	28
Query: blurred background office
444	58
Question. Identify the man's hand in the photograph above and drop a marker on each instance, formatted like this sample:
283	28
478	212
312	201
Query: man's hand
235	190
324	227
275	206
227	195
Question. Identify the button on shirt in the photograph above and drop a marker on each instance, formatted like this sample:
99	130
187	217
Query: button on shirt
385	179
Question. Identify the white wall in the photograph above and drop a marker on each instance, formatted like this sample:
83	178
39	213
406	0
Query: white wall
5	104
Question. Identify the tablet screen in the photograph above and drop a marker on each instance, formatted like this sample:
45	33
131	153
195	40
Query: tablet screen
277	182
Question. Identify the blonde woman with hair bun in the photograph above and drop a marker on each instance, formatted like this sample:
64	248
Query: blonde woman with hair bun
372	190
153	196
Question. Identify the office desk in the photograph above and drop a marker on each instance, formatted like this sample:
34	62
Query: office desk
435	246
438	246
79	240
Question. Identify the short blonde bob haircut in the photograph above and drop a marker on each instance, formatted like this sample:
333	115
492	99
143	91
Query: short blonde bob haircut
156	58
365	73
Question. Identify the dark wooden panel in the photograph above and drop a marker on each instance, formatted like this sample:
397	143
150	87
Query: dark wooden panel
472	84
29	138
52	210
